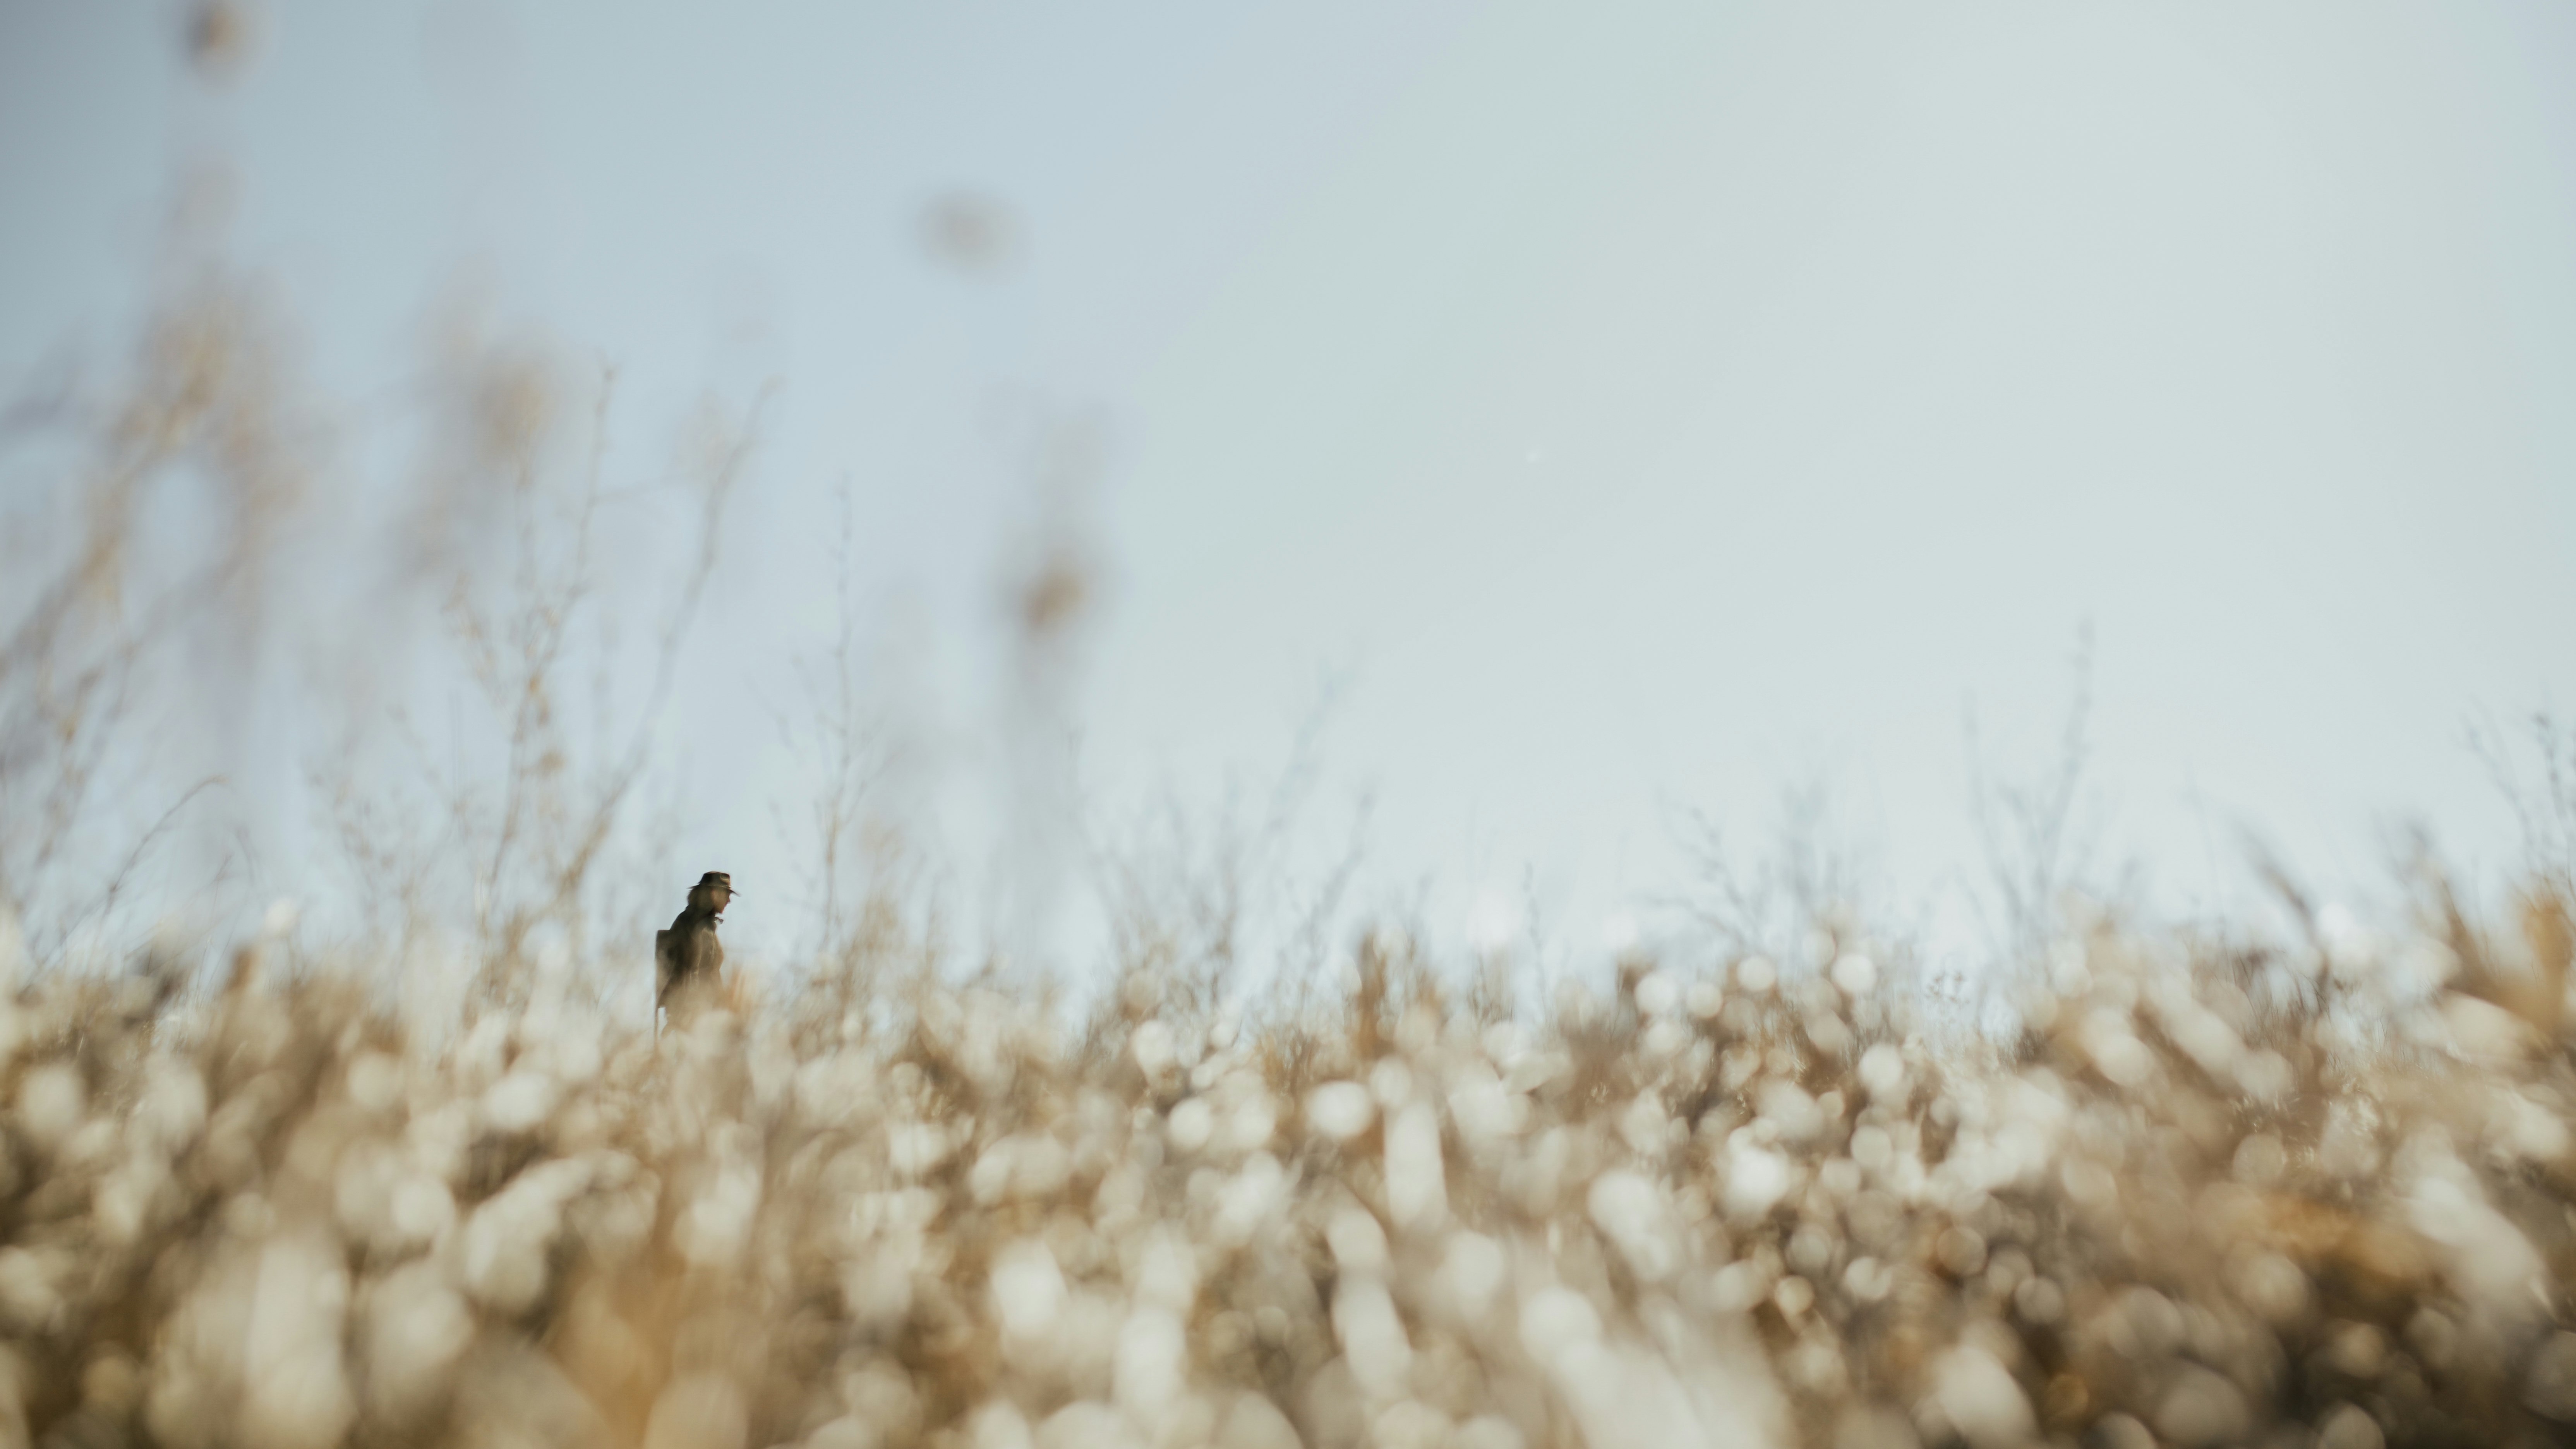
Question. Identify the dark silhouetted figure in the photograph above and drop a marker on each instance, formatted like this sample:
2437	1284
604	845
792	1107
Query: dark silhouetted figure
687	957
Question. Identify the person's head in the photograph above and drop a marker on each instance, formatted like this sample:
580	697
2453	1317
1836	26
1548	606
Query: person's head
712	893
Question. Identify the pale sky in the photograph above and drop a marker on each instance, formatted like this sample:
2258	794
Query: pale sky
1636	407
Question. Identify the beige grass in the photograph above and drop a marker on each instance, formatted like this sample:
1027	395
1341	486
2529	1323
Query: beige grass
1725	1209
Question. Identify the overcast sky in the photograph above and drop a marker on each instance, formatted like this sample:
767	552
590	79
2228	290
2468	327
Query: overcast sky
1634	407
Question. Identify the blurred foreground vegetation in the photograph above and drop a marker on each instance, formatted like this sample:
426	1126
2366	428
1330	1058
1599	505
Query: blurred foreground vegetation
2321	1194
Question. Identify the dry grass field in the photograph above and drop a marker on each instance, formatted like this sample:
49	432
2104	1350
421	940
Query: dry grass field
2318	1195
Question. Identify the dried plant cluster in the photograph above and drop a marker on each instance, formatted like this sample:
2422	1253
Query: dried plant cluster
2315	1196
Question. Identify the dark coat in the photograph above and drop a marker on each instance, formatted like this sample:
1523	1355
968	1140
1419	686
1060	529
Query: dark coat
687	954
